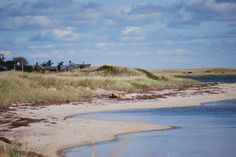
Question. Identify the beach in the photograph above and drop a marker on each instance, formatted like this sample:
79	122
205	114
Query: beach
49	131
62	61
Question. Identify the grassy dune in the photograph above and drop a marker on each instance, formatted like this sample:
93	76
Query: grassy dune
17	87
203	72
16	150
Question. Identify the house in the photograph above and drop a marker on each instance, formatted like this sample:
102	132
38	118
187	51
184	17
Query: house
51	68
39	67
2	68
70	67
82	66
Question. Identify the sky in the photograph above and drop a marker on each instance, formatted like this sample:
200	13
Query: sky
151	34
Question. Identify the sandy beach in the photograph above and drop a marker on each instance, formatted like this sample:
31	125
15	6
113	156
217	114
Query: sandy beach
53	132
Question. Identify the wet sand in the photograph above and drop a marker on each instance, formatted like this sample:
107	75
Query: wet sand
55	133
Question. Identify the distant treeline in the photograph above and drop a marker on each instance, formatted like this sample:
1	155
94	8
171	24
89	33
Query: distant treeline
17	63
21	64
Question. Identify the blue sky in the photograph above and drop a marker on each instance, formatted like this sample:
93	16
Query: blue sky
137	33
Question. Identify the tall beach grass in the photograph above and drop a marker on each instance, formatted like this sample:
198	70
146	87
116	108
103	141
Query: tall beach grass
18	87
16	150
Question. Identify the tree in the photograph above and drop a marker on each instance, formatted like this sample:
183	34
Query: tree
10	64
59	65
48	63
20	60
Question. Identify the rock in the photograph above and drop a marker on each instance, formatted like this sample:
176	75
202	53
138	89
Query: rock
118	96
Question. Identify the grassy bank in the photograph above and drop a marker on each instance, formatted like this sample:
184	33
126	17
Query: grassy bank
16	150
17	87
203	72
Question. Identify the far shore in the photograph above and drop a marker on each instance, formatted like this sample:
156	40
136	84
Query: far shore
53	133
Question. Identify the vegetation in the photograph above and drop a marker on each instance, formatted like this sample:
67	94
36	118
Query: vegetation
17	63
16	150
153	76
203	72
17	87
20	60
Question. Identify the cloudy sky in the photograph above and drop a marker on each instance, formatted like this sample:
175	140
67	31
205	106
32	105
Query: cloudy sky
136	33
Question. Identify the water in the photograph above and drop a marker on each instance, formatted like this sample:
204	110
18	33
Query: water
205	131
231	79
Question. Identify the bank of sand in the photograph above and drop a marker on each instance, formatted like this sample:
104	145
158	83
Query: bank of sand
56	133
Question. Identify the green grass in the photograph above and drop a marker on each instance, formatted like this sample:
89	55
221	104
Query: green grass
18	87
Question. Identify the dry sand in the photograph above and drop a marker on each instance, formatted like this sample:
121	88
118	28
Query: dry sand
56	133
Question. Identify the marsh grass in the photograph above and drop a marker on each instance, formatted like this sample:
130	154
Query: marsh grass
18	87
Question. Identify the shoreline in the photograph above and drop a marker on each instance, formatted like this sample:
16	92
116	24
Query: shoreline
55	133
116	137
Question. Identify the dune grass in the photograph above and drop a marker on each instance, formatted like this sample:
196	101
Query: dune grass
18	87
16	150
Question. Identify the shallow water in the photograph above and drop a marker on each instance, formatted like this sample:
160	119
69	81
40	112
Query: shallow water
206	131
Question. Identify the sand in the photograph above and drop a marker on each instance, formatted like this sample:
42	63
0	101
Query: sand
56	133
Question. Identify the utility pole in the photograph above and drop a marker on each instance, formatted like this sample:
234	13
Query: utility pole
22	66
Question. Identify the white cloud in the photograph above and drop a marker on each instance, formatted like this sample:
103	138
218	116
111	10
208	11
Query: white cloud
20	40
133	33
132	38
168	42
131	29
109	45
101	44
139	17
51	46
26	21
67	34
182	51
126	8
37	46
220	7
41	20
62	55
175	52
138	12
51	54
